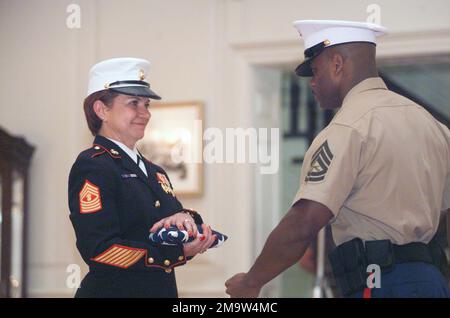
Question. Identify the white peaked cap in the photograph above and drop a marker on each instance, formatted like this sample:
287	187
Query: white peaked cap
320	34
125	75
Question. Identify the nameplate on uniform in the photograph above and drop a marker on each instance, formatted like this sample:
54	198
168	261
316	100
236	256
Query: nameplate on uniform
131	175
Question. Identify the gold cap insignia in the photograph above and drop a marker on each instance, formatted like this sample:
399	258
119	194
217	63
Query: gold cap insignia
141	74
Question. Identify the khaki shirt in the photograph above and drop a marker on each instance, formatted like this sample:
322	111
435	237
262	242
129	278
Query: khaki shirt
382	166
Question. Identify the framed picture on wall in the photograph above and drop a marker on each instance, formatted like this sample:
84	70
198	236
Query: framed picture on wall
173	140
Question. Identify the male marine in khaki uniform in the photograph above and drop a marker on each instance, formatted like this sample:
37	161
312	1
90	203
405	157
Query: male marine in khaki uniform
379	173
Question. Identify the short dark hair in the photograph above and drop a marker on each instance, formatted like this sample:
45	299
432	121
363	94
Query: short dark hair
107	97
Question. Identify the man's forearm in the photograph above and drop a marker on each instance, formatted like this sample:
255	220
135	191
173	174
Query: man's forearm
278	254
288	241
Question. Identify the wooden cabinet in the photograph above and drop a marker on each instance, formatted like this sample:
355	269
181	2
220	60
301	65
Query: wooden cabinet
15	156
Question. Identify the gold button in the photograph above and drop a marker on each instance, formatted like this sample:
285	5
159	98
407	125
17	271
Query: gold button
326	42
181	258
168	271
114	152
157	204
167	262
151	260
97	148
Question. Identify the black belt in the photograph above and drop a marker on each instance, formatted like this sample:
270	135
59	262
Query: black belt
412	252
350	260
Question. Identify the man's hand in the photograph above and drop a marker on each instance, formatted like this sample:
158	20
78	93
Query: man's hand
238	286
284	246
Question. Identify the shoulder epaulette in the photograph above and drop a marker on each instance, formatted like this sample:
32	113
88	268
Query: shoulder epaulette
99	150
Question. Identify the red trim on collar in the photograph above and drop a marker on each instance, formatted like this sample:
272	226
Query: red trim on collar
108	151
98	154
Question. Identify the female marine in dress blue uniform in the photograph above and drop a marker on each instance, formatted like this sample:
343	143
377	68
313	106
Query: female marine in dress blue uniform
116	195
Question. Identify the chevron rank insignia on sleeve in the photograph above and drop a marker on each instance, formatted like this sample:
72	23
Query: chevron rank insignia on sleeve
90	201
320	163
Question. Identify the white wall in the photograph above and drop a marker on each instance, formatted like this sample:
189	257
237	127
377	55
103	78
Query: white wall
201	50
269	20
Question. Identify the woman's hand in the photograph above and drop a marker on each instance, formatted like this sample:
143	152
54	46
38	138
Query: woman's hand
183	221
201	243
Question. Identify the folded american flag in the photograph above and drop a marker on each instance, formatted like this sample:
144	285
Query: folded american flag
174	236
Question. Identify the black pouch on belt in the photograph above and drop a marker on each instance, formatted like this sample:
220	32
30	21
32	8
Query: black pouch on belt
349	265
381	253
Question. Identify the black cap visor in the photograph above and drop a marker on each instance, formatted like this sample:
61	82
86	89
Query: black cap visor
142	91
304	69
